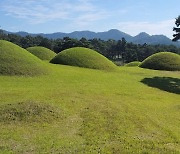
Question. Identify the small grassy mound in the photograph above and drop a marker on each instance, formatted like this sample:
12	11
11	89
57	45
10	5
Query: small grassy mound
15	60
42	52
162	61
134	63
28	112
83	57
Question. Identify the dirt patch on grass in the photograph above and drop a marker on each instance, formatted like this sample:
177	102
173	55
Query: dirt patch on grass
29	112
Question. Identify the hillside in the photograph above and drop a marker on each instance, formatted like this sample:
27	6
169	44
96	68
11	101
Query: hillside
83	57
15	60
42	52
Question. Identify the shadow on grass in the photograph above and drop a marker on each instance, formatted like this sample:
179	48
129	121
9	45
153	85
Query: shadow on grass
168	84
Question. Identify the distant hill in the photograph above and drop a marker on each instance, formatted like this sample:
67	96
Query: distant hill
111	34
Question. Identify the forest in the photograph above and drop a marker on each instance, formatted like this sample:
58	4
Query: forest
119	51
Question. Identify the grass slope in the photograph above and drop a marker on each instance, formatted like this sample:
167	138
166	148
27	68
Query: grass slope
100	112
15	60
42	52
162	61
134	63
83	57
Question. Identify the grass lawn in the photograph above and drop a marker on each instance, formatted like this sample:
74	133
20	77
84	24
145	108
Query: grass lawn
78	110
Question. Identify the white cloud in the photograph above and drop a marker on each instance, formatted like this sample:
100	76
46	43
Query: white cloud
89	19
42	11
162	27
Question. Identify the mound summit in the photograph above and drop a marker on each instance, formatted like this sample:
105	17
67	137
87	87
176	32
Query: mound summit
83	57
42	52
162	61
15	60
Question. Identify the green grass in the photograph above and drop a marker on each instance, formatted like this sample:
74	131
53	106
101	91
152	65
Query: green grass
164	83
162	61
96	111
134	63
29	112
83	57
42	52
15	60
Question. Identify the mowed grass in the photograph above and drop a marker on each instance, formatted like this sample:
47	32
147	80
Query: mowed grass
162	61
42	52
15	60
83	57
132	64
96	112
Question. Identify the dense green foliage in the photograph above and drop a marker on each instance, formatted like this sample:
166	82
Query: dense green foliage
98	111
83	57
119	50
42	52
162	61
15	60
177	30
134	63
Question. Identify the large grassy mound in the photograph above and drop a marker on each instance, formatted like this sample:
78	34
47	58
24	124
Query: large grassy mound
162	61
83	57
42	52
15	60
134	63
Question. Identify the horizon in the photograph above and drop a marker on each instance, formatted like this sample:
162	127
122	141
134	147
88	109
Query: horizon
66	16
86	31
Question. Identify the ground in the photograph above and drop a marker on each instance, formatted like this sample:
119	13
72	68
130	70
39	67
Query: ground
96	111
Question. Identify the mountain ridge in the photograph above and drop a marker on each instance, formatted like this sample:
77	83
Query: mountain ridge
115	34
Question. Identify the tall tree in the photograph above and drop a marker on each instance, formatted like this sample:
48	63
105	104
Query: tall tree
177	30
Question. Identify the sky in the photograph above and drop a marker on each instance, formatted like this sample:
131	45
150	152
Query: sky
49	16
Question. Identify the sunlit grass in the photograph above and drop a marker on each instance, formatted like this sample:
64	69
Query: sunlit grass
42	52
100	111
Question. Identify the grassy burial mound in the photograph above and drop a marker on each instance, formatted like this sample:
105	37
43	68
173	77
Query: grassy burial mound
42	52
162	61
134	63
83	57
15	60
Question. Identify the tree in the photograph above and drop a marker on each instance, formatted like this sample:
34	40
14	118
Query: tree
177	30
123	48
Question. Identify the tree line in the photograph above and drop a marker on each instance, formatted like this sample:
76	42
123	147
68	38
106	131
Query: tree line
120	50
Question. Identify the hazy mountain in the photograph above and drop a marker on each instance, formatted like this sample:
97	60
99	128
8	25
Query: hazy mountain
111	34
154	39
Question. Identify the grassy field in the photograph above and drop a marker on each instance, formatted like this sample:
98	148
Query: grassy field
134	63
78	110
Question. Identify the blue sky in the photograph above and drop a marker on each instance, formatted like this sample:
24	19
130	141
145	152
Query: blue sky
130	16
